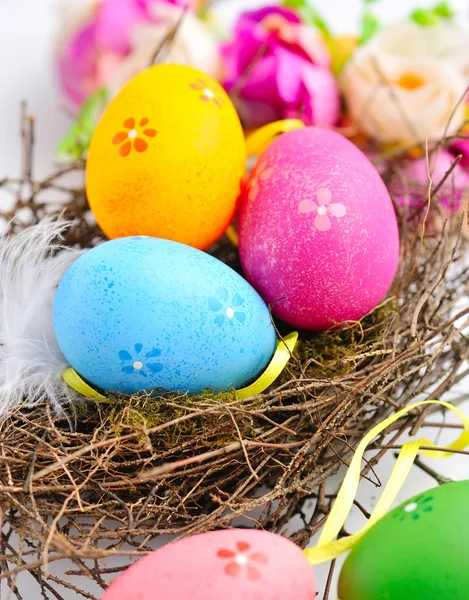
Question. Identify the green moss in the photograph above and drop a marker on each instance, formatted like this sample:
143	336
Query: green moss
143	412
331	354
335	353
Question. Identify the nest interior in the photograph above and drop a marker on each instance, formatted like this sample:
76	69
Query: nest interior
104	483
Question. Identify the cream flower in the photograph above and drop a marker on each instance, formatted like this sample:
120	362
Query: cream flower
193	45
405	84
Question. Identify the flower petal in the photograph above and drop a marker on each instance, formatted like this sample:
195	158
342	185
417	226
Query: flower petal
307	206
223	293
119	138
322	222
214	304
144	121
225	553
196	86
240	316
125	149
124	355
204	98
129	123
323	196
266	174
243	546
153	353
140	145
219	320
259	558
129	370
253	573
337	209
237	300
155	367
138	348
150	132
253	191
233	569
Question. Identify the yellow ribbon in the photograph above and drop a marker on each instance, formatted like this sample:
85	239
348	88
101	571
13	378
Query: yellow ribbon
256	143
73	380
279	360
261	139
327	549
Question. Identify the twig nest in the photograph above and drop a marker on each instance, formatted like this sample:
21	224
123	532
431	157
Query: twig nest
408	83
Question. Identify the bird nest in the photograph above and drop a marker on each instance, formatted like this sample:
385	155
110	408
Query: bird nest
81	496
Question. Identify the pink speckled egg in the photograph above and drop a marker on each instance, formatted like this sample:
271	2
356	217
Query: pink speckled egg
318	234
233	565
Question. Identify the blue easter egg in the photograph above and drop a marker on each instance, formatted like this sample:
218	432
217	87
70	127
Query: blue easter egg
140	314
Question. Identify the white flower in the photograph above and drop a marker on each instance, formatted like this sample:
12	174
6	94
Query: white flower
405	84
193	44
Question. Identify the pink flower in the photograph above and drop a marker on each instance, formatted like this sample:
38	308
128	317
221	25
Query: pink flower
461	147
94	45
411	188
275	68
323	209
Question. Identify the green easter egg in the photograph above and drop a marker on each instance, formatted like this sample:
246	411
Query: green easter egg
419	551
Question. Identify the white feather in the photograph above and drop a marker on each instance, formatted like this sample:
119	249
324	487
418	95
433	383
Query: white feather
32	264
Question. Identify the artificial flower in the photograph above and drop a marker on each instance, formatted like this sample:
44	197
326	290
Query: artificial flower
408	83
276	68
107	42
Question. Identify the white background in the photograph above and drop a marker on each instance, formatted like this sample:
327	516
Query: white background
27	29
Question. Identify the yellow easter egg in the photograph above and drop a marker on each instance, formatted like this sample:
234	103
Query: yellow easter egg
167	158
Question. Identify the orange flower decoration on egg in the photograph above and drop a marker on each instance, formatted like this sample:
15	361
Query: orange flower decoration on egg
207	92
133	136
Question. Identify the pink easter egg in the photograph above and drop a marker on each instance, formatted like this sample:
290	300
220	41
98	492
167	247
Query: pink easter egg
318	234
233	565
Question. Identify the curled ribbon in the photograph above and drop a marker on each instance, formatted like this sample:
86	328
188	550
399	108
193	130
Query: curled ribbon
328	549
279	361
259	141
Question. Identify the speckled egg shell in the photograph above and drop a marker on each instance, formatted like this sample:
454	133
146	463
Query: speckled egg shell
318	234
138	314
419	551
228	565
167	158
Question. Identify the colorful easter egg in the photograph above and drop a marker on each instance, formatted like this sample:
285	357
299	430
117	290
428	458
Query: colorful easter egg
167	158
140	314
233	564
318	234
419	550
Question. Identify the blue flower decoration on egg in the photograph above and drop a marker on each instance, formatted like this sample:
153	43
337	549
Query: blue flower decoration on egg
138	363
228	310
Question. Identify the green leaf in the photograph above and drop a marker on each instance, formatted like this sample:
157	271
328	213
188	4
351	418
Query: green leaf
443	10
370	26
424	17
77	139
310	15
294	3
